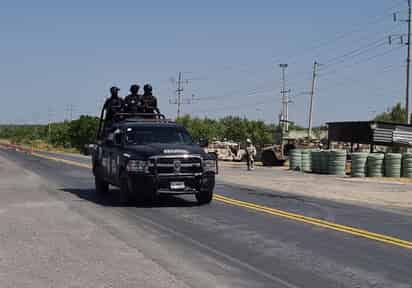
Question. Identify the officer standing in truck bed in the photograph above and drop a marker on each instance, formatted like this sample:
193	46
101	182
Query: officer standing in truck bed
132	102
148	101
112	106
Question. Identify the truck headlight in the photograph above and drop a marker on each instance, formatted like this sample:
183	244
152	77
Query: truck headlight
209	166
139	166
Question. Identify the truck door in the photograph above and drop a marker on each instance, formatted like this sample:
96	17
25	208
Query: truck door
108	159
114	157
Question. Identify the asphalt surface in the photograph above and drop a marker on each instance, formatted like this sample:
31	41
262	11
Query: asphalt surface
224	245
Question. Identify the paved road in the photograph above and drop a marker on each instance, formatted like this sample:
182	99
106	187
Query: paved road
231	244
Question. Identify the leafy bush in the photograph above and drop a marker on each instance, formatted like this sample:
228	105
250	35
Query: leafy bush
230	128
74	134
396	114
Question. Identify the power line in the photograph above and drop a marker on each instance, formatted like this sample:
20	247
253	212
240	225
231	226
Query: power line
352	54
363	60
246	68
343	35
231	106
355	53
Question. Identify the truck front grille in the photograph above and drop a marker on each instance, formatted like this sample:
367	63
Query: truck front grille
176	165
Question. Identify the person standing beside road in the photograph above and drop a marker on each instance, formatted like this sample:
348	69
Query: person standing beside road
132	101
250	154
148	101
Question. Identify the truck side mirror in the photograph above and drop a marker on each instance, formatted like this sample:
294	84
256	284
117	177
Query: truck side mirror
117	138
109	140
204	142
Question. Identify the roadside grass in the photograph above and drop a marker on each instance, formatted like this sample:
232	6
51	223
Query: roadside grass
40	145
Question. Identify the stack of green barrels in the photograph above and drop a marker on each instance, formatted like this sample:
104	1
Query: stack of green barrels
315	157
324	162
407	165
375	165
306	161
393	165
295	160
337	162
359	161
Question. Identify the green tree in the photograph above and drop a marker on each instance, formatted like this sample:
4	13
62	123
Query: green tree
231	128
396	114
82	131
59	136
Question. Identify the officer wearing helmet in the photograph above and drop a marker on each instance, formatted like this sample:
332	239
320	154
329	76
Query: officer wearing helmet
148	101
112	106
132	101
250	154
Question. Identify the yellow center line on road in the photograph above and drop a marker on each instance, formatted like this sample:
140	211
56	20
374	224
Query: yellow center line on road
74	163
317	222
280	213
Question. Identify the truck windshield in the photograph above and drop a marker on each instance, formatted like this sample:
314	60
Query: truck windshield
153	135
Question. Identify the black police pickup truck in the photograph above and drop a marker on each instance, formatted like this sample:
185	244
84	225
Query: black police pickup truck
146	156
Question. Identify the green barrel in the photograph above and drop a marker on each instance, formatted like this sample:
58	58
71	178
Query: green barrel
375	167
315	157
295	160
337	162
407	165
359	161
393	165
324	162
306	161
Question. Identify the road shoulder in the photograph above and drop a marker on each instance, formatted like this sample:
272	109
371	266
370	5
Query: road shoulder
43	243
395	197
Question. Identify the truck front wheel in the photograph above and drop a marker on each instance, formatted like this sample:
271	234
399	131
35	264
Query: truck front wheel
102	187
205	193
204	197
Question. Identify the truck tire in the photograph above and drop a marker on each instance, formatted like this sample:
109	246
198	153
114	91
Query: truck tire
150	196
204	197
205	193
124	191
102	187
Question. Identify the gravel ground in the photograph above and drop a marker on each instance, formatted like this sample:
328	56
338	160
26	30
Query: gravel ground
376	192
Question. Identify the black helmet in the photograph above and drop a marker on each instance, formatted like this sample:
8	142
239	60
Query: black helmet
114	89
147	88
134	88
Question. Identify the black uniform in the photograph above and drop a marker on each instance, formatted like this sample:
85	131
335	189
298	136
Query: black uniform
149	104
148	101
132	104
112	106
132	101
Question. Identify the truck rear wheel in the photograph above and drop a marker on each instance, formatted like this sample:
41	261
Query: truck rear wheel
124	191
102	187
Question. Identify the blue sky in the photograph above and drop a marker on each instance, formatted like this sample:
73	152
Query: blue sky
59	53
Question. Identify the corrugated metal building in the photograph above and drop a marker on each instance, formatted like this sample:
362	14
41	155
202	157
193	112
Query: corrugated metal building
370	132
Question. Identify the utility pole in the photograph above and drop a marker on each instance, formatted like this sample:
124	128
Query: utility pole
312	95
179	100
408	65
179	92
50	119
285	99
408	59
69	111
